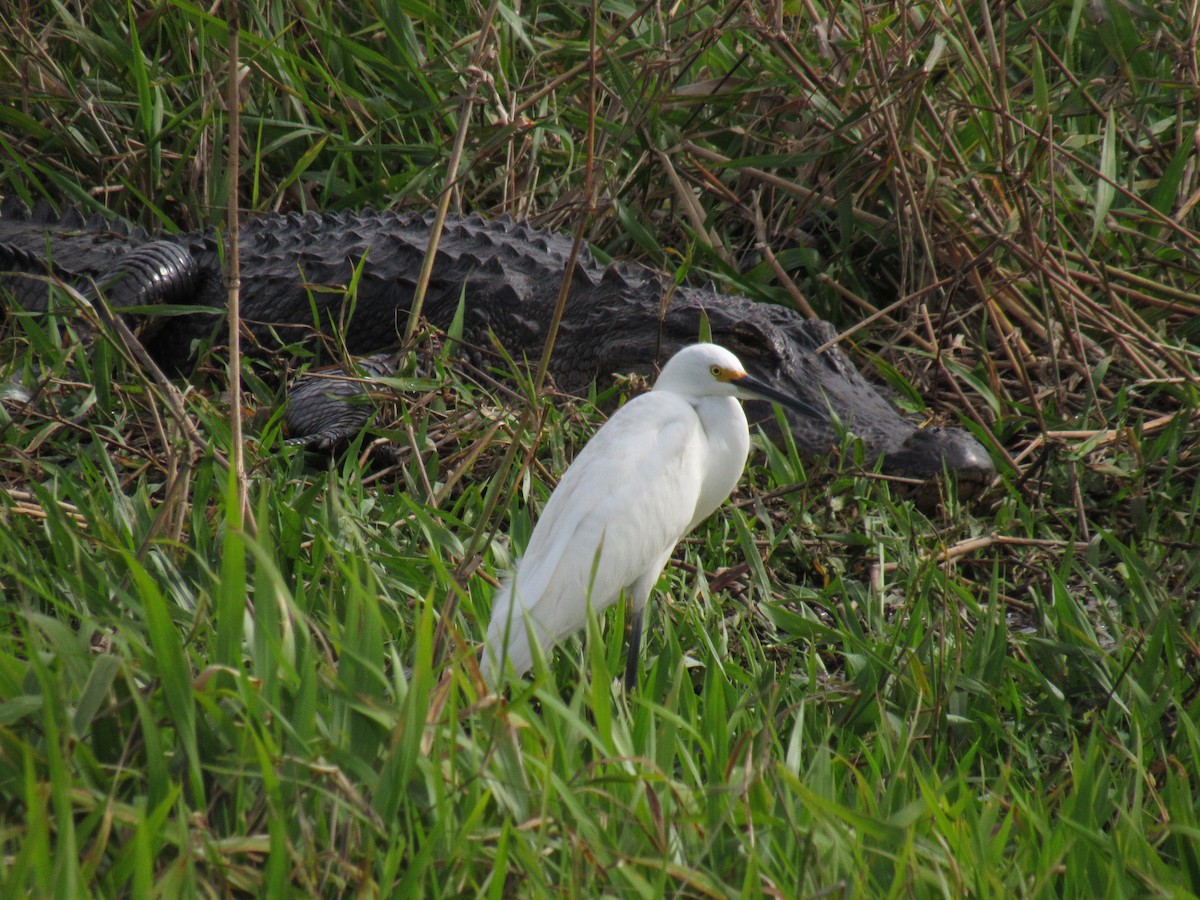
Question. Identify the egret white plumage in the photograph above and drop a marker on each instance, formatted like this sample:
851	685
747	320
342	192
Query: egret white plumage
663	462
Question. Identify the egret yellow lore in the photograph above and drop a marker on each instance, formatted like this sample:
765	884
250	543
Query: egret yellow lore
655	470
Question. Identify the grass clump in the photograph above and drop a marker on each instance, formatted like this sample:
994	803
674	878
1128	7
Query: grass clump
841	694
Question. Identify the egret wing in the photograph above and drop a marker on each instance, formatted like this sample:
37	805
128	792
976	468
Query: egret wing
620	508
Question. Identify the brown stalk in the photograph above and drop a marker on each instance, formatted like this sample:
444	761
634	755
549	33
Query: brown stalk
476	75
233	278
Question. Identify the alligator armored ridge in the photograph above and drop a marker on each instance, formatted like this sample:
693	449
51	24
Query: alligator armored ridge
295	270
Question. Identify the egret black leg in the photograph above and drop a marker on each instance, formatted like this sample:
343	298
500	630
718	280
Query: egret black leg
635	643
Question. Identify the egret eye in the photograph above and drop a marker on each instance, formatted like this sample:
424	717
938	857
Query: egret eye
715	370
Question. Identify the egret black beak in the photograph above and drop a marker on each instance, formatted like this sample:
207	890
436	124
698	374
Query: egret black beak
763	391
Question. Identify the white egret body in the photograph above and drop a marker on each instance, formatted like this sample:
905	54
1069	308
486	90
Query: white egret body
655	470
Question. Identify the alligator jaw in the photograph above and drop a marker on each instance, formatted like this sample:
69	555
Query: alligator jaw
925	456
932	453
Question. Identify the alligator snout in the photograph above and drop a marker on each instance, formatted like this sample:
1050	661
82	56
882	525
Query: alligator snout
931	453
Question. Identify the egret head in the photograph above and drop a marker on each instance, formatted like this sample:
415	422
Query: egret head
707	370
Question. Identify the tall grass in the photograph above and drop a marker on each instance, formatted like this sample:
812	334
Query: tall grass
841	694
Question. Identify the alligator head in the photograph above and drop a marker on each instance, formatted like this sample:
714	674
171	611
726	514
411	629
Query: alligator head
799	355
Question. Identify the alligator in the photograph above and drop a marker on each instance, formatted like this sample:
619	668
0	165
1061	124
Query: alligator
353	274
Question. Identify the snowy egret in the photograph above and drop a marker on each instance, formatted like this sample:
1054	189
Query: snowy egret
655	470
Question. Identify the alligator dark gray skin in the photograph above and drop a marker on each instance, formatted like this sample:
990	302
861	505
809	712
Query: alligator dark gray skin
295	268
